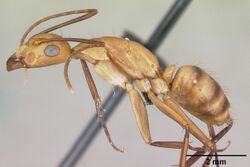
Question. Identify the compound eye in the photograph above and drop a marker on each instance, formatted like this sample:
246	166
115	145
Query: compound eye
52	50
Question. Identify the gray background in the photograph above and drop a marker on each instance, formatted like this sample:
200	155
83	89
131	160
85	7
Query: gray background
39	121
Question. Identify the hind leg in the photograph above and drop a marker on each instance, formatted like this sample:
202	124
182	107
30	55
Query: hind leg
212	135
215	139
172	110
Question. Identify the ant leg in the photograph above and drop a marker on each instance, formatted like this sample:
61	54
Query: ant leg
184	149
207	161
212	134
143	125
223	132
174	112
97	100
171	109
210	155
215	139
140	112
195	157
77	54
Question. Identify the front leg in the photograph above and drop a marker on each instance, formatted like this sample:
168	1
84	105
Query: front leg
97	100
77	54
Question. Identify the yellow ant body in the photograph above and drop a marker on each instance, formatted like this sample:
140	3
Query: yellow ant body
119	61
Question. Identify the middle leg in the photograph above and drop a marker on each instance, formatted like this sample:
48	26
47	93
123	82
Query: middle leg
97	101
212	134
143	124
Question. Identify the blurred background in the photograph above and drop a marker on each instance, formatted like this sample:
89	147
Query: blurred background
40	120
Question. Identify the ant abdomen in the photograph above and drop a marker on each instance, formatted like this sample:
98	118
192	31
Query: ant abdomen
200	94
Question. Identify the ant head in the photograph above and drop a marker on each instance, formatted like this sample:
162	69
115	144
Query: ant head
40	50
44	49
